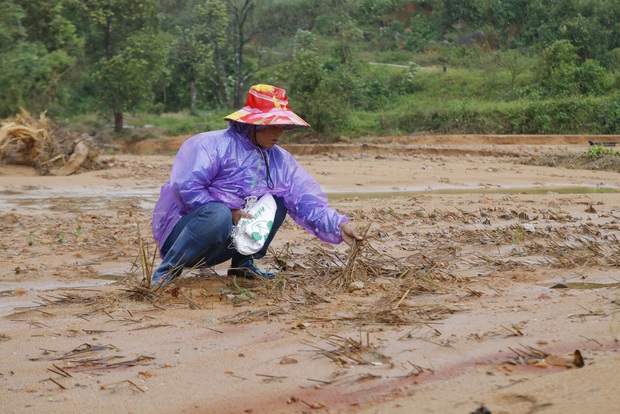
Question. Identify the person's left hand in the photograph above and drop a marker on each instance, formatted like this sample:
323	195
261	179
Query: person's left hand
349	234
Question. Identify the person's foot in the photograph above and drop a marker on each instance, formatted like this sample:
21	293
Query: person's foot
248	270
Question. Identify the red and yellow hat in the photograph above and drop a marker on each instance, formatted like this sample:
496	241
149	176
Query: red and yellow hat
267	105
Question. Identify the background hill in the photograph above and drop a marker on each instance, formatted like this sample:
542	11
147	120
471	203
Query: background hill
351	68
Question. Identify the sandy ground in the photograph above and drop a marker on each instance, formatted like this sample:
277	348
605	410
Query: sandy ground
479	280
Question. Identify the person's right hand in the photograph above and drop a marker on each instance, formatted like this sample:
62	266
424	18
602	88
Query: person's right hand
349	234
238	215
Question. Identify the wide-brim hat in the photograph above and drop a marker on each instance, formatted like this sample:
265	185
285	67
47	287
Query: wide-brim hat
267	105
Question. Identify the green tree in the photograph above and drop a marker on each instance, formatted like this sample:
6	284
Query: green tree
126	52
615	59
515	63
562	74
126	80
242	31
224	28
586	35
284	18
559	66
47	22
421	31
590	25
306	75
35	56
187	59
328	88
591	78
11	29
211	31
457	12
305	70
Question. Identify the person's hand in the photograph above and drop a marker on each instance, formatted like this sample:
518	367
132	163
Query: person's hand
349	234
238	215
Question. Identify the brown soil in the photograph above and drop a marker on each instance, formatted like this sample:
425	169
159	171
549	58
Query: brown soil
486	267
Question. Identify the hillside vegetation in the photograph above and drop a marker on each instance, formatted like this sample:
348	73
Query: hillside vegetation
351	68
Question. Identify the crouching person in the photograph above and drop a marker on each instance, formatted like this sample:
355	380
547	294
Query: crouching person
213	175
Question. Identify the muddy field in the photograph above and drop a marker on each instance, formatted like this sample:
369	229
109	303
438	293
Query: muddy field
488	280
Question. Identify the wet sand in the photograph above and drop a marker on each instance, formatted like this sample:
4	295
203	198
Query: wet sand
479	321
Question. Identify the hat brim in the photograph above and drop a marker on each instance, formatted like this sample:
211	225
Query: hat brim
274	117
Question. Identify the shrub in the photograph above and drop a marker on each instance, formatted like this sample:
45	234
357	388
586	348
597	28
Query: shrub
567	116
595	151
608	118
591	78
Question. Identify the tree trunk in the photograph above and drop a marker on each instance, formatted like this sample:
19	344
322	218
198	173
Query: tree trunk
239	92
219	79
193	95
118	121
241	15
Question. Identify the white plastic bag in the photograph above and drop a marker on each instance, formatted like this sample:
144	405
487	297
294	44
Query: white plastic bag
249	235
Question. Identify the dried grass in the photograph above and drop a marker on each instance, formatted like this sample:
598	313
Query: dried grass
38	142
253	315
348	351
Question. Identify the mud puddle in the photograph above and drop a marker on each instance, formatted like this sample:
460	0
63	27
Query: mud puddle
45	199
479	190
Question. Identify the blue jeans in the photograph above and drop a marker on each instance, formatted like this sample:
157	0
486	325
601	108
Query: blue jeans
202	238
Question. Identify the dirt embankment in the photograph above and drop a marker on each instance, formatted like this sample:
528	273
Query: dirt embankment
391	144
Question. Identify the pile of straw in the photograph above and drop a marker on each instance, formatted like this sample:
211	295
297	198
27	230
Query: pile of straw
39	143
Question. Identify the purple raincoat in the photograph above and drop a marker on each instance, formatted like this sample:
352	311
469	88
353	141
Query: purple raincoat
225	166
